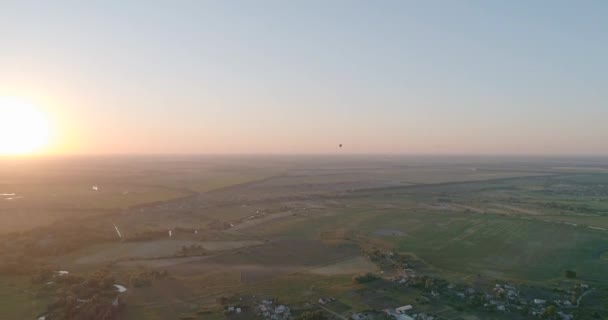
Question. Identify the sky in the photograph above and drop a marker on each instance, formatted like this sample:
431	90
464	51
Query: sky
430	77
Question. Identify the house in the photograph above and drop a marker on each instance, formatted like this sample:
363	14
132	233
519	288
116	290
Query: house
510	287
325	300
402	317
539	301
499	291
280	309
358	316
511	294
403	309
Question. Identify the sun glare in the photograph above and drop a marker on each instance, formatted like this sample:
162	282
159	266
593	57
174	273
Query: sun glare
24	128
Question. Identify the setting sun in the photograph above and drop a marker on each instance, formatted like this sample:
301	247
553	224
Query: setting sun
24	128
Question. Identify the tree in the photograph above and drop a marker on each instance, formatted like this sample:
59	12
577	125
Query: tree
42	275
550	312
570	274
368	277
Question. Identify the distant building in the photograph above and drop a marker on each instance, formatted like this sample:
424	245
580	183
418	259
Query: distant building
325	300
404	309
358	316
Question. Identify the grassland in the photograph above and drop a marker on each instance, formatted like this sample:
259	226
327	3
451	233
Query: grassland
357	265
117	251
80	186
17	301
298	230
501	247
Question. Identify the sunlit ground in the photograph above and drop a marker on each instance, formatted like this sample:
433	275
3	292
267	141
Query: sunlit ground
24	128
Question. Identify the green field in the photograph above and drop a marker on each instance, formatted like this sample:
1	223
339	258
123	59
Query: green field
297	231
501	247
18	301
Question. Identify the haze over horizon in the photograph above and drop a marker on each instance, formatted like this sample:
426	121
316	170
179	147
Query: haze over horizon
395	77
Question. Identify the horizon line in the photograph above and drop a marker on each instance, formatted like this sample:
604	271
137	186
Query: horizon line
153	154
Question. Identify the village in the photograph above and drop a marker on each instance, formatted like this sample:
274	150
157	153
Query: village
502	299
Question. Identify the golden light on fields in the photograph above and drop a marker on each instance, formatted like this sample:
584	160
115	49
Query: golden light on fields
24	128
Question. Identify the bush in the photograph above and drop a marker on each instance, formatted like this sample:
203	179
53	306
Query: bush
145	277
570	274
368	277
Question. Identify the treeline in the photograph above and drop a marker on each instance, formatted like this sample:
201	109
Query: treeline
368	277
570	207
192	250
145	277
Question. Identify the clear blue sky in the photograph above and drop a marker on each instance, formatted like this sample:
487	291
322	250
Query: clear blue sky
302	76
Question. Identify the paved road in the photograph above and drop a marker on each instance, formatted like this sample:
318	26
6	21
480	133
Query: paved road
578	301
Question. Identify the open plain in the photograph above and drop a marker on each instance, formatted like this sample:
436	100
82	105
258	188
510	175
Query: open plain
195	237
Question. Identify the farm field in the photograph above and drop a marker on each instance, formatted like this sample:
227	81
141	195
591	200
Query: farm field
105	253
350	266
16	301
370	234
